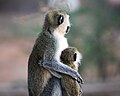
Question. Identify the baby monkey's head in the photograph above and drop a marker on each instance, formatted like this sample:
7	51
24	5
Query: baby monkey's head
71	57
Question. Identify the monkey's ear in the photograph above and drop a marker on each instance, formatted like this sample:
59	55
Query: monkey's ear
75	56
60	19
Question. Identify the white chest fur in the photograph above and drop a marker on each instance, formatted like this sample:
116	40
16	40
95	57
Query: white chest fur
61	44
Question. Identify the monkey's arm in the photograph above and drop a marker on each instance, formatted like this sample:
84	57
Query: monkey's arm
61	68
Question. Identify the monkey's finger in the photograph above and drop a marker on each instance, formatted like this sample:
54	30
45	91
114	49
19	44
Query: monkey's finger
80	80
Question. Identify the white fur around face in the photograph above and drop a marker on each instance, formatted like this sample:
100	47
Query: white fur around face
62	28
59	33
67	21
61	44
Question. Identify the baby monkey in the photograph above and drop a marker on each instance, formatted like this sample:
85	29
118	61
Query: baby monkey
71	57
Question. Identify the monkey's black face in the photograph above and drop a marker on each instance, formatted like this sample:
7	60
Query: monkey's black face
68	29
75	56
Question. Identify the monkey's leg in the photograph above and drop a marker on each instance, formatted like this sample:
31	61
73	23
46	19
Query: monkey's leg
53	88
61	68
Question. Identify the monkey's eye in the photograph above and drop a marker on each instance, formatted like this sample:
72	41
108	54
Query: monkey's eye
75	57
60	19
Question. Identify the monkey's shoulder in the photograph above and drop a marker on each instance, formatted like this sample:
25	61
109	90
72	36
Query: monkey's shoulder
46	38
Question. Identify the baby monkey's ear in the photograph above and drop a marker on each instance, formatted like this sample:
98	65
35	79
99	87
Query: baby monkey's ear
75	56
60	19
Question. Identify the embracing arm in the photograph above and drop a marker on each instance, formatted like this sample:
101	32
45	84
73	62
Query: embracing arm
61	68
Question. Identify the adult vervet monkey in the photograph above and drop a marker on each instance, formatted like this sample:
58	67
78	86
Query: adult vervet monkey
44	61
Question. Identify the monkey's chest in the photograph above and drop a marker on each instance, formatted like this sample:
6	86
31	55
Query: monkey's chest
60	46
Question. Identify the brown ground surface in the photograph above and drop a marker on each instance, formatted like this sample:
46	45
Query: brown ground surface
13	59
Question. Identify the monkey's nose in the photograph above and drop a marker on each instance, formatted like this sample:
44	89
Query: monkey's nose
68	29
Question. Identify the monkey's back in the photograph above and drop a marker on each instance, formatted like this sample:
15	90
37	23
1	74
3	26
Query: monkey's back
37	78
37	75
71	86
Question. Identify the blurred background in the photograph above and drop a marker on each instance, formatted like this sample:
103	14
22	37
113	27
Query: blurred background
95	32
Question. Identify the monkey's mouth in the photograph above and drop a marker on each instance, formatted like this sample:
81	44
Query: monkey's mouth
68	29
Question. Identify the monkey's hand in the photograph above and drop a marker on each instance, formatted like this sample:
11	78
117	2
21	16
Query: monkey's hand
61	68
80	79
54	73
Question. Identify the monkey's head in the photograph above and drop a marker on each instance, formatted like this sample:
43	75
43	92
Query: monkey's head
71	56
57	20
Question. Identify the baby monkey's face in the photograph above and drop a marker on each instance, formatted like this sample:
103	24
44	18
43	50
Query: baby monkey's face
71	56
